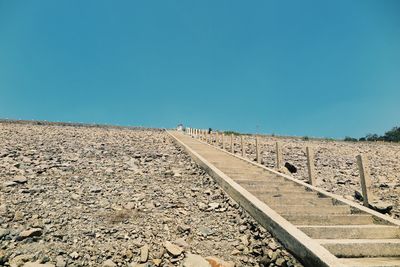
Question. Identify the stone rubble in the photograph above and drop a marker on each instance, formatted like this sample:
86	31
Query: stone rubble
103	196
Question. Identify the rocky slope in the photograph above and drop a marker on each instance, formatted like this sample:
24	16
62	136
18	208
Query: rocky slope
79	196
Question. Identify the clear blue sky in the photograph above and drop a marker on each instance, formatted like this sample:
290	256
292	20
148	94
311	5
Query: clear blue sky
317	68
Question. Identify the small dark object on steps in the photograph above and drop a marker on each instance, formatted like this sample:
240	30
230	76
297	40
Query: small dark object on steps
290	167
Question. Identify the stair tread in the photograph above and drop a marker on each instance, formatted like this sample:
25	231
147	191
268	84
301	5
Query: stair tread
357	241
371	262
350	226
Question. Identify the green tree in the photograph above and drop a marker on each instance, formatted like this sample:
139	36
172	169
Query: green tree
392	135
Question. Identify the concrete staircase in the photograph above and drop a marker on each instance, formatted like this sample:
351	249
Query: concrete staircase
352	234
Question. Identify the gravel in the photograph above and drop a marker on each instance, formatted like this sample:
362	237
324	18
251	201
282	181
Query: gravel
102	196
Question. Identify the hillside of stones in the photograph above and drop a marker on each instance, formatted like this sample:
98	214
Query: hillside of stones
335	164
98	196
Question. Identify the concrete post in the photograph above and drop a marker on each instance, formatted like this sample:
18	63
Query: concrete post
365	179
242	144
258	151
215	138
232	148
217	141
310	165
278	155
223	141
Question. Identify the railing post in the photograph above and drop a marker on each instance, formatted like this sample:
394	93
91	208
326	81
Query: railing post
223	141
279	157
217	139
365	178
232	149
242	144
257	151
310	165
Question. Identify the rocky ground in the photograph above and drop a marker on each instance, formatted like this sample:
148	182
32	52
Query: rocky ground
336	165
80	196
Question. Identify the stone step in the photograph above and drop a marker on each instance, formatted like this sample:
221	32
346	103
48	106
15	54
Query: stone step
312	201
305	209
277	186
247	174
249	177
257	181
337	219
241	168
371	262
300	199
265	186
352	248
279	191
372	231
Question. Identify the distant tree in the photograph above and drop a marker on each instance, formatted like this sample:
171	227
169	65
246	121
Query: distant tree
362	139
231	132
372	137
350	139
392	135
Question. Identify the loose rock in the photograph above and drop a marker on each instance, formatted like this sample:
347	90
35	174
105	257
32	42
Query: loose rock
193	260
173	249
30	233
